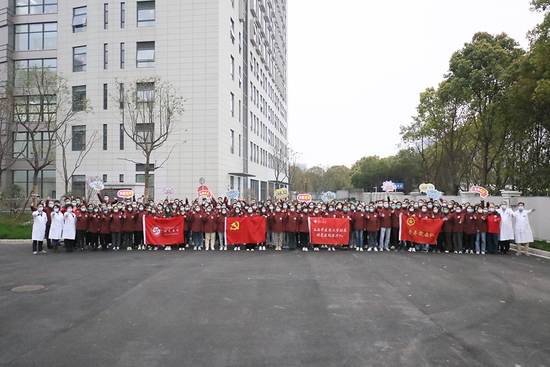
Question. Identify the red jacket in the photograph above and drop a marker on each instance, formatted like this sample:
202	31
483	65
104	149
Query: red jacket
384	216
210	222
94	223
292	222
116	222
197	221
105	223
358	221
128	221
221	222
458	222
372	224
278	222
303	223
81	220
493	223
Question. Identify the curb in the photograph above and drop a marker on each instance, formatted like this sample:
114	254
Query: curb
533	251
15	241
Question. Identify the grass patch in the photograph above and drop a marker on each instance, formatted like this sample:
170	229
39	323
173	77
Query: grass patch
12	227
541	245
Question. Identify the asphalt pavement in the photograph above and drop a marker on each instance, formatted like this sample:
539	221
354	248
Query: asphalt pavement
343	308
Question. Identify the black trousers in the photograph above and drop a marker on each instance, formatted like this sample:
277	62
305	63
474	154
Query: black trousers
304	239
504	246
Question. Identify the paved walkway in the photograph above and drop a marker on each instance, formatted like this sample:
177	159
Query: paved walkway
273	309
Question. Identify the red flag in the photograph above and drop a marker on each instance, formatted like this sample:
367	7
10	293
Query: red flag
418	230
328	231
241	230
163	231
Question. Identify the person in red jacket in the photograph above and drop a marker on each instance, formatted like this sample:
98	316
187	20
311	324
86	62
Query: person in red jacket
396	211
292	227
303	229
493	229
81	226
458	230
128	228
470	229
358	225
197	227
278	226
116	228
372	227
447	228
222	214
384	216
94	225
138	227
210	227
104	229
481	235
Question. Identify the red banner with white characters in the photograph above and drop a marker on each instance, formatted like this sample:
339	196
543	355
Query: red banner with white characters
329	231
418	230
163	231
241	230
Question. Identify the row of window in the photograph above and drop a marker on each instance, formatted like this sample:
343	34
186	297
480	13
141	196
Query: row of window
145	56
145	16
260	155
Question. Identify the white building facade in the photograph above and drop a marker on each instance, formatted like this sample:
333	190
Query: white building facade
226	58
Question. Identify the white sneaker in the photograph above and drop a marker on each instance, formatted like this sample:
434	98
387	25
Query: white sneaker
252	250
247	249
234	248
357	249
43	252
99	247
413	249
128	248
35	252
238	248
206	249
316	249
303	248
376	249
477	253
483	252
225	248
194	248
446	251
199	248
361	249
369	249
387	249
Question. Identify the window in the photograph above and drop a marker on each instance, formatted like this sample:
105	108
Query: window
121	139
121	177
145	54
232	67
121	95
105	56
232	2
122	15
78	185
79	138
145	92
35	108
145	13
36	36
79	97
232	30
145	134
105	16
104	177
104	136
140	167
122	55
80	19
43	140
46	182
79	58
105	96
232	141
22	68
231	104
240	145
35	6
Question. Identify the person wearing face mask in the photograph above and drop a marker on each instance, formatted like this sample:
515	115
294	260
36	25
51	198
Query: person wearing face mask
470	229
138	227
506	227
56	229
39	220
523	234
104	199
81	226
278	226
210	226
410	212
384	215
292	228
303	229
197	227
94	224
117	218
264	210
481	235
493	230
128	223
396	211
358	221
440	242
48	209
447	229
222	214
105	229
250	212
458	230
372	226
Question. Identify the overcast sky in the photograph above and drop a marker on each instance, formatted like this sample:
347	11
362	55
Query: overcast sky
357	67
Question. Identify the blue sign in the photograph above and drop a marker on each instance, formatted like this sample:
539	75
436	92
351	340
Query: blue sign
399	186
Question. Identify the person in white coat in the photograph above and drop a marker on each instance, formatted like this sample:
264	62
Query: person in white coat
40	218
506	227
56	228
69	229
523	233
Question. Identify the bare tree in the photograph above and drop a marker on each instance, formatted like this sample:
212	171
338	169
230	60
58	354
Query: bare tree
7	155
42	105
66	136
279	162
148	107
291	166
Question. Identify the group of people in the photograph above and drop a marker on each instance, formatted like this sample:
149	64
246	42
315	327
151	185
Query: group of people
112	224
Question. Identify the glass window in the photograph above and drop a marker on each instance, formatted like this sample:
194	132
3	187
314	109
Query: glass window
122	15
122	55
79	185
231	104
36	36
121	177
35	6
232	141
145	13
105	96
79	97
80	19
22	68
145	134
145	54
79	138
79	58
232	30
145	92
232	67
105	56
104	136
35	108
121	138
105	16
24	144
46	182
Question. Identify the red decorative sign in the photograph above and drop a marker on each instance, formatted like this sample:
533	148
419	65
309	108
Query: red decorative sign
125	193
163	231
304	197
239	230
483	192
419	230
329	231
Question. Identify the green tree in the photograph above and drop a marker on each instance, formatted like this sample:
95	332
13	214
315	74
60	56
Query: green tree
337	178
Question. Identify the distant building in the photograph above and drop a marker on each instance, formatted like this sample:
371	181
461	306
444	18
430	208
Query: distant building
227	58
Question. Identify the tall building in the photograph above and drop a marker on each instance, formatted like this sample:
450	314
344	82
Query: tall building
226	58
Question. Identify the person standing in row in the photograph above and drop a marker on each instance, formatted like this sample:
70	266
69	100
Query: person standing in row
40	218
523	233
506	227
56	229
69	229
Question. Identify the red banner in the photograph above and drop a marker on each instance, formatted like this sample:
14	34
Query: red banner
245	230
329	231
163	231
418	230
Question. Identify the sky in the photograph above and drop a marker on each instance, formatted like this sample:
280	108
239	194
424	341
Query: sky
356	68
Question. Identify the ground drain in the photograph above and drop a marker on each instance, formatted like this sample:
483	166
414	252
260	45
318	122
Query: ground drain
28	288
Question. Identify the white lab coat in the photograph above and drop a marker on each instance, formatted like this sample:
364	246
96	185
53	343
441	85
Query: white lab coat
56	228
506	225
39	225
523	233
69	228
